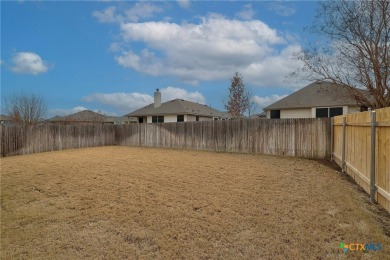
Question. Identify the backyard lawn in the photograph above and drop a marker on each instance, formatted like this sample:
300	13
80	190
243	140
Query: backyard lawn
129	203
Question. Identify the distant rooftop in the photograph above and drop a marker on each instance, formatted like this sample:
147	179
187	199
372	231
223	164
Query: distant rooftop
179	107
317	94
90	116
82	116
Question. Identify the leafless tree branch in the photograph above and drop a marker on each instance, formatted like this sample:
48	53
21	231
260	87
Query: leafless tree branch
357	55
25	109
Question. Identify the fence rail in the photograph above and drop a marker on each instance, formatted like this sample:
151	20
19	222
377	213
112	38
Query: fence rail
307	138
361	147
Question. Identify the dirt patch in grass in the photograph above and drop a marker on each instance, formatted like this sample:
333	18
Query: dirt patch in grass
123	202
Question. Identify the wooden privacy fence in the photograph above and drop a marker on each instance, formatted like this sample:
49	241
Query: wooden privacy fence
18	140
309	138
361	147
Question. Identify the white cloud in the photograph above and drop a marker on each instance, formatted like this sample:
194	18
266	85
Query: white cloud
127	102
108	15
115	47
265	101
283	9
142	10
247	13
184	3
170	93
211	50
65	112
28	63
139	11
274	69
124	102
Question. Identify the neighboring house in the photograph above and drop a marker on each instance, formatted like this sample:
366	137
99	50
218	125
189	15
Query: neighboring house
90	117
6	120
119	120
259	115
319	99
232	117
177	110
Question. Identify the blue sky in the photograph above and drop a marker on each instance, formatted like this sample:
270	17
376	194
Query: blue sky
110	56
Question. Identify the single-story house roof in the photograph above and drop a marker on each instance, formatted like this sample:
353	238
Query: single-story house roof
82	116
179	107
317	94
259	115
55	118
226	114
90	116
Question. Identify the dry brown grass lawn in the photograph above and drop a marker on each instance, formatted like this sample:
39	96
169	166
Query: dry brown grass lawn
128	203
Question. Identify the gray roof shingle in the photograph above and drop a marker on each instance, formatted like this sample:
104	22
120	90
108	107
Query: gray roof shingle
82	116
317	94
92	117
179	107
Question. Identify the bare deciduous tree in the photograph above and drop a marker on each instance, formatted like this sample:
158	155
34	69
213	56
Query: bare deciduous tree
355	50
25	109
253	106
238	100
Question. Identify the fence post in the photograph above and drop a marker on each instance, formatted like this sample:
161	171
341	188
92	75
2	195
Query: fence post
331	139
372	164
343	147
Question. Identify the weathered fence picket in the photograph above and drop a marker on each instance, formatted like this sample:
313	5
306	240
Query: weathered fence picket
307	138
20	139
361	147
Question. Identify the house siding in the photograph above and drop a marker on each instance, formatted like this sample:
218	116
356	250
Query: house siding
201	118
310	112
351	110
296	113
173	118
167	119
346	110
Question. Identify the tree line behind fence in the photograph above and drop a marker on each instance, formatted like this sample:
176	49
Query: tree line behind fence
309	138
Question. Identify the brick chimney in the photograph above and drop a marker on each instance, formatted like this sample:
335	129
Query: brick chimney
157	98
